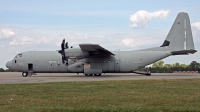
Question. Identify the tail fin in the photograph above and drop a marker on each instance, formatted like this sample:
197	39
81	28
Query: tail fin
179	39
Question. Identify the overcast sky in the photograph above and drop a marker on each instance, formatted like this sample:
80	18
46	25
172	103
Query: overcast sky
40	25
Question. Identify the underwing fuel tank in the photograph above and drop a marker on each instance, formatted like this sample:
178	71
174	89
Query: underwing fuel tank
76	67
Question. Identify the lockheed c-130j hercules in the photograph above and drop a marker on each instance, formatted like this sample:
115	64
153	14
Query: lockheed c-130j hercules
92	59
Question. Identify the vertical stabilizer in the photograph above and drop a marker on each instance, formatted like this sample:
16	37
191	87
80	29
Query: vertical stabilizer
179	39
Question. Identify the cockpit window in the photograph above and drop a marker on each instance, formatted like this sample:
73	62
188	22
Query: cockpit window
19	55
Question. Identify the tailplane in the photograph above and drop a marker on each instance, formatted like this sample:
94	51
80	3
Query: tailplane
179	39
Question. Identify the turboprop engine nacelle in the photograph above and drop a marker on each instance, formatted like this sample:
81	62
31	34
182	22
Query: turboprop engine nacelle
76	53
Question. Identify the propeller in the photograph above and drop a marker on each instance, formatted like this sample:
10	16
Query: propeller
62	51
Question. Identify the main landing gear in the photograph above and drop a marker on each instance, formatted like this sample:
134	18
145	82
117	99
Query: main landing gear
92	74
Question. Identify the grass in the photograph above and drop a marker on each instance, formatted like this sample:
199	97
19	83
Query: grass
143	95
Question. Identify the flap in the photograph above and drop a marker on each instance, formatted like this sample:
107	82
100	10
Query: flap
92	48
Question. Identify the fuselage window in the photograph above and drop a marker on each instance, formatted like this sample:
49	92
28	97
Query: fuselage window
15	61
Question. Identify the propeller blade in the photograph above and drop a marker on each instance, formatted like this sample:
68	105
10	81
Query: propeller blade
66	45
62	51
63	60
66	61
64	55
63	45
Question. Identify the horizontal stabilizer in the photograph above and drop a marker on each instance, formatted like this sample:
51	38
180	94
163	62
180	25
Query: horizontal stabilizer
183	52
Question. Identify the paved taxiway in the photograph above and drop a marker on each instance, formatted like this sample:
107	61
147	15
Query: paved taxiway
16	77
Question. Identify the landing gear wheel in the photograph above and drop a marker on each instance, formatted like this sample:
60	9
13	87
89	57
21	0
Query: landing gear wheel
24	74
148	74
97	74
88	74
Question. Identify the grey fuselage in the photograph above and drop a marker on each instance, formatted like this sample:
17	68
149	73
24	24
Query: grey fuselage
50	62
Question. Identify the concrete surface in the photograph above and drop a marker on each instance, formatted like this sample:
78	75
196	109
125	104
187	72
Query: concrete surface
16	77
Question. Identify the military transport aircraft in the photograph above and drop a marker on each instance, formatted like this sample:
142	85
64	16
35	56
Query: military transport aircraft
92	59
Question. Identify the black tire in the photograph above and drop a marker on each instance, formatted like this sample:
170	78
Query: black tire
24	74
148	74
88	74
97	74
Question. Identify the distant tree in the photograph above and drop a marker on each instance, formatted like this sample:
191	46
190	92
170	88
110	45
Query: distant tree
144	69
183	67
198	69
167	66
2	70
194	65
160	67
8	70
141	69
157	67
158	64
175	66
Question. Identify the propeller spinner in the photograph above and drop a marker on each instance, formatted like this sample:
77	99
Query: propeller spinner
62	51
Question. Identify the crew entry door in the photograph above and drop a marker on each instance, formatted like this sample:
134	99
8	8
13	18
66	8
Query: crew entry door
30	67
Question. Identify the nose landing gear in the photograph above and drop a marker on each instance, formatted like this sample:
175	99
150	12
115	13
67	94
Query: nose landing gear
29	73
24	74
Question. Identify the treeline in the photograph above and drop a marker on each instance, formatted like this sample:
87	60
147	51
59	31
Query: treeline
160	67
6	70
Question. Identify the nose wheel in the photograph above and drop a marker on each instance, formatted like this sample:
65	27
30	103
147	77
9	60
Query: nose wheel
24	74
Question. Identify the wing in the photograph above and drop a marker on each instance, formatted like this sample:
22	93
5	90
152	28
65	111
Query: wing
94	49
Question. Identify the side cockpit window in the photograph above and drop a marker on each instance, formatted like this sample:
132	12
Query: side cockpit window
19	55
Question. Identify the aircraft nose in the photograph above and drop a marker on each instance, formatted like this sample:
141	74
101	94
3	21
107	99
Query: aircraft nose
8	64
